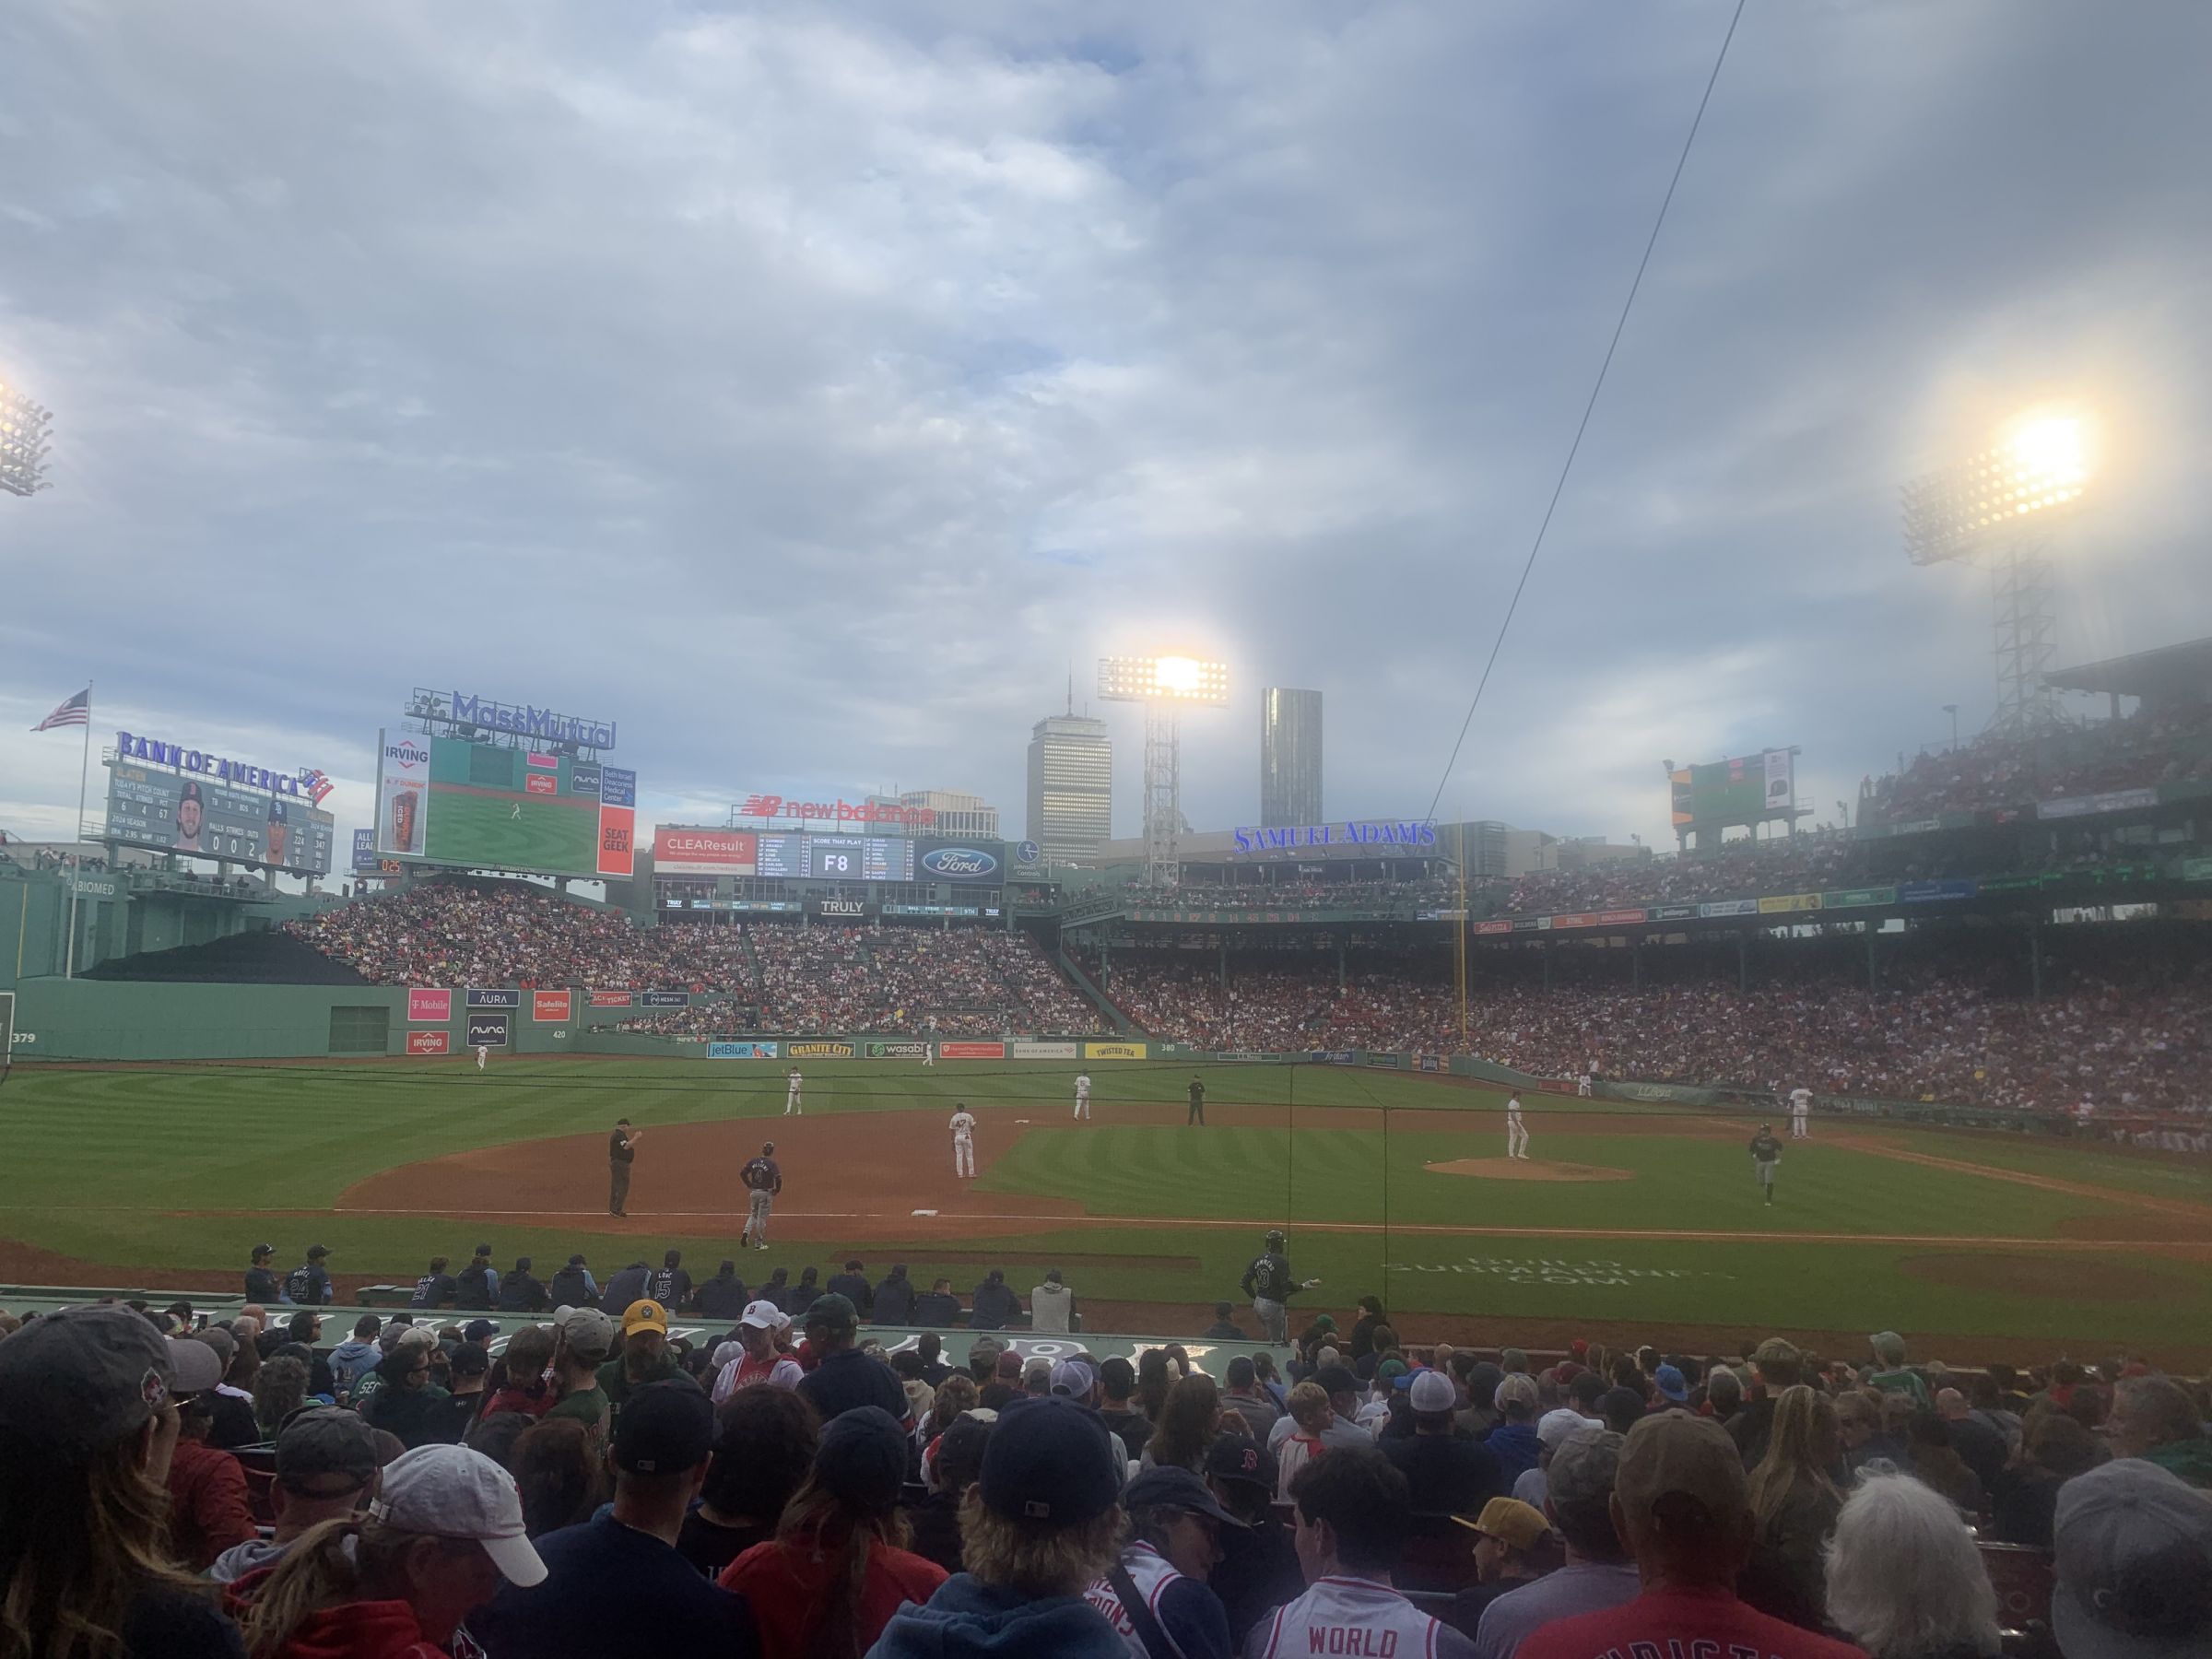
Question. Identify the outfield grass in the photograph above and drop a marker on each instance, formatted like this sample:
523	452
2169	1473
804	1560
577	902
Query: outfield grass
181	1168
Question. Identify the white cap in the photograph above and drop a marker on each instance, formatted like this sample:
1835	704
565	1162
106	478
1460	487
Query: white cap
1555	1425
451	1492
727	1351
1431	1391
764	1316
1073	1377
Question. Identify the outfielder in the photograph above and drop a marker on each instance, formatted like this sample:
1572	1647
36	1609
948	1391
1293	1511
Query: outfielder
963	1142
1269	1282
1801	1112
483	1054
792	1081
764	1182
1516	1132
1082	1094
1766	1152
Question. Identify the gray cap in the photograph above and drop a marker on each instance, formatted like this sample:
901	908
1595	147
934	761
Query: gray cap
1584	1465
2134	1560
84	1378
589	1332
320	1444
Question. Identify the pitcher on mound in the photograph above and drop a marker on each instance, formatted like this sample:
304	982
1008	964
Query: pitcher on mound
1516	1132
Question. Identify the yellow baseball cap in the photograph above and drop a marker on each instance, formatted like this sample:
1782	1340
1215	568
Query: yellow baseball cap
1510	1522
644	1316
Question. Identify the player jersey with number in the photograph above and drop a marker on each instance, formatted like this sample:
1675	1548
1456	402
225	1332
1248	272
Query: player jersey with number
1355	1616
1082	1088
1801	1100
761	1175
963	1126
1271	1278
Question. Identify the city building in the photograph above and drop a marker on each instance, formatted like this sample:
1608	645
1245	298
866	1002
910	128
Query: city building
1071	787
957	814
1587	851
1289	757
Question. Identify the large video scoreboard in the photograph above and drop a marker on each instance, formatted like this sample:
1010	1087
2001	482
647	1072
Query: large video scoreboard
201	805
483	806
1743	789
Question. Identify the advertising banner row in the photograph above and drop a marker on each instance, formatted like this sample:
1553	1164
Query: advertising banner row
429	1004
916	1048
1907	892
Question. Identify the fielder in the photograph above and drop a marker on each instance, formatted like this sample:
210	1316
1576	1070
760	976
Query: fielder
1583	1083
963	1142
792	1081
1766	1152
1516	1132
483	1054
1082	1094
1801	1112
764	1182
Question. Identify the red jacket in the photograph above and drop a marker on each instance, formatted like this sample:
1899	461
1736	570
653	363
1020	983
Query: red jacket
378	1629
208	1512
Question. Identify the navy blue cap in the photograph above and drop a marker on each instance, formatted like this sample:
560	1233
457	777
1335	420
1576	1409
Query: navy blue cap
664	1429
862	1458
1051	1461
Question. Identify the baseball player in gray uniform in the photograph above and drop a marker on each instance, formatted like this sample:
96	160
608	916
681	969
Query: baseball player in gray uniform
764	1182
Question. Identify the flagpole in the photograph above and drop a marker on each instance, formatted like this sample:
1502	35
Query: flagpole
77	874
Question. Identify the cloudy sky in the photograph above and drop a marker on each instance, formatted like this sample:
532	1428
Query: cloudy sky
810	387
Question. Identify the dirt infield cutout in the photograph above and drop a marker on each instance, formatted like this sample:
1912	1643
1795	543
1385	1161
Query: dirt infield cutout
2019	1273
1521	1168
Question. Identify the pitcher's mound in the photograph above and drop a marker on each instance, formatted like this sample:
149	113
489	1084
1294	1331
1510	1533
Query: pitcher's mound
1531	1169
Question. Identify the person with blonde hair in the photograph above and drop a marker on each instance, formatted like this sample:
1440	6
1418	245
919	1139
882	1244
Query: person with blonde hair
1042	1522
445	1531
1794	1504
1311	1415
1904	1578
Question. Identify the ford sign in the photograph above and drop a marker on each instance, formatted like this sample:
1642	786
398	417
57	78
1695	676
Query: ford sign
960	864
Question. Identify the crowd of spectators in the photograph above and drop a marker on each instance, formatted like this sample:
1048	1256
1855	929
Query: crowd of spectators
2119	1023
594	1487
1809	862
1999	771
970	982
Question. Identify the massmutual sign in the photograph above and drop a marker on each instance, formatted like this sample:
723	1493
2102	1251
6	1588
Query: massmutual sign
1380	835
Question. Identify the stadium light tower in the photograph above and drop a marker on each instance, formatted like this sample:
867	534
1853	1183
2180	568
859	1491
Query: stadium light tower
1997	508
1163	683
23	430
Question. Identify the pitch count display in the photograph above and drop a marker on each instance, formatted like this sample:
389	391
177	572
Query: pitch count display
196	815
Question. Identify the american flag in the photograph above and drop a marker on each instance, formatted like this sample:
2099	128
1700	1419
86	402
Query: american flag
316	785
77	711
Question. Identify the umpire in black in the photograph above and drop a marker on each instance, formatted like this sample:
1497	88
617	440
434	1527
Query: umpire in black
621	1151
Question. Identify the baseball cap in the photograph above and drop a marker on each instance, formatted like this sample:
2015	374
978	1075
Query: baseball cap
479	1330
1337	1380
576	1260
315	1253
86	1377
1008	1366
1073	1377
762	1316
664	1429
1775	1351
1233	1457
1584	1465
1052	1461
644	1315
322	1442
264	1250
1675	1453
1555	1425
1514	1388
1669	1380
589	1332
862	1457
1432	1390
835	1311
224	1345
452	1492
2134	1562
469	1360
1174	1487
1509	1521
1889	1346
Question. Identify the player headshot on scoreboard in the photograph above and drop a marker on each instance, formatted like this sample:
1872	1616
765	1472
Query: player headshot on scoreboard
190	815
279	831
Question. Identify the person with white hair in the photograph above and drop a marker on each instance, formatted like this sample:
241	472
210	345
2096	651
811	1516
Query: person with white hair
1905	1579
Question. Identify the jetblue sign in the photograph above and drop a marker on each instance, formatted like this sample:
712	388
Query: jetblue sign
526	719
1380	835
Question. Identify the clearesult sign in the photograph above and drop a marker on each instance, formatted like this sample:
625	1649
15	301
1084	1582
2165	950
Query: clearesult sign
426	1005
681	851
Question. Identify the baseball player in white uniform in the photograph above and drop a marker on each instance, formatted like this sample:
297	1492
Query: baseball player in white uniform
1516	1132
1082	1094
963	1142
1801	1112
483	1054
792	1081
1586	1083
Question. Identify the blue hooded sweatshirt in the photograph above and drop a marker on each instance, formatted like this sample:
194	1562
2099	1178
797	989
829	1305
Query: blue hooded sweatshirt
969	1619
1516	1446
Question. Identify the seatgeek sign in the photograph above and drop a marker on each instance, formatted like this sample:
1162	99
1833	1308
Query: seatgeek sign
1379	835
179	759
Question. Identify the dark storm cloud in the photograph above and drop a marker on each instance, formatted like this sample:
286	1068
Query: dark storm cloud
807	390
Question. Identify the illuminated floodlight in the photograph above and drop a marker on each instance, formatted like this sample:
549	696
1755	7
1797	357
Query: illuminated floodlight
24	428
1164	679
1164	685
2036	470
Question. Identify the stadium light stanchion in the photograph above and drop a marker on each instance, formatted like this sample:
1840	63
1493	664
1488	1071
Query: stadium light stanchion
1163	685
1996	509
